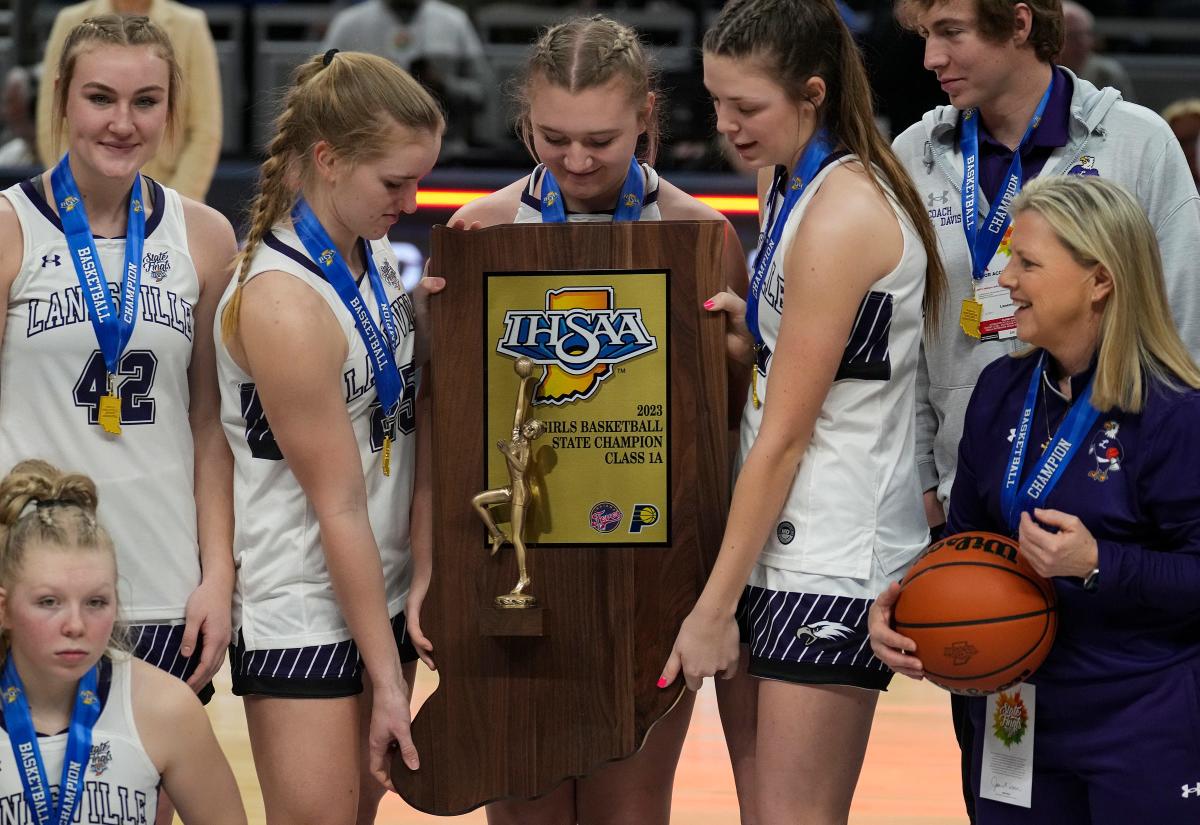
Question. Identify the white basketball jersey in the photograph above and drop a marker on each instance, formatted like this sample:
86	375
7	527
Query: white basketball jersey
52	376
120	783
856	494
284	597
530	208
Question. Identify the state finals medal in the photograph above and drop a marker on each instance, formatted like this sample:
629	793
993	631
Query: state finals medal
113	327
988	315
380	344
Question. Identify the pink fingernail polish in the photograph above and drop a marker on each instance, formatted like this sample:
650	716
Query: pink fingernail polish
708	304
662	682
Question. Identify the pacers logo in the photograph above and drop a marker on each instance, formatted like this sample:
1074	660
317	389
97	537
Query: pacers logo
579	337
644	515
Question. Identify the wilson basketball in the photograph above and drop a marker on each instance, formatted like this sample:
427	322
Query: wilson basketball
982	619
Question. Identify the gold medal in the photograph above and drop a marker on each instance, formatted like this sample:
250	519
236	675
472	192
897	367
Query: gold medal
110	410
969	318
754	387
387	455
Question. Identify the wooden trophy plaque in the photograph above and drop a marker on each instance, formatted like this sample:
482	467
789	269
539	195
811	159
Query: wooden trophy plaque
626	483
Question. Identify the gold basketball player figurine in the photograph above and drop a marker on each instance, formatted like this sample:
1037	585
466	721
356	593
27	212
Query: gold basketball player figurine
518	452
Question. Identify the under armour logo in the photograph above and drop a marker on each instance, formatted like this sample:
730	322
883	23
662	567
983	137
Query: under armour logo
49	259
943	200
1192	791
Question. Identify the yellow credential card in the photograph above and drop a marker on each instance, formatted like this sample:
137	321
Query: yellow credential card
598	342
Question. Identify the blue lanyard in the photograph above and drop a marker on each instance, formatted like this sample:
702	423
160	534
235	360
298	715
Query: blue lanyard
629	204
1048	469
23	739
113	328
983	245
814	157
388	383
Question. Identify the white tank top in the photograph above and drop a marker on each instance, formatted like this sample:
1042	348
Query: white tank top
52	376
284	597
530	208
120	783
856	493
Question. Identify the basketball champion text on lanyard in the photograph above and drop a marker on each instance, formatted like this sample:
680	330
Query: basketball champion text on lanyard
1048	469
380	344
629	204
818	153
23	737
113	328
984	243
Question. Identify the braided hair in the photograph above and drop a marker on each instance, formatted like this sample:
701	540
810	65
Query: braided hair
350	100
583	53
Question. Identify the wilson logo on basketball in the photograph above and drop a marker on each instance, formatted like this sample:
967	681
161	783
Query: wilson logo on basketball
579	337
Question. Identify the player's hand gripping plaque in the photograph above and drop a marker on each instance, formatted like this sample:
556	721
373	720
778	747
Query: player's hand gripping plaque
609	476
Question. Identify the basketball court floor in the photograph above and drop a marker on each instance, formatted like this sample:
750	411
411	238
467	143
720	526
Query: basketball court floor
910	776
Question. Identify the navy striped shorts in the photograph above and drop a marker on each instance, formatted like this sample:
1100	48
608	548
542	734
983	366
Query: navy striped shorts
317	672
158	645
809	638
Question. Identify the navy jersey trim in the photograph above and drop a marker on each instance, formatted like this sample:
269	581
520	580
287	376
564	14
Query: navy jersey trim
259	437
272	240
867	355
33	191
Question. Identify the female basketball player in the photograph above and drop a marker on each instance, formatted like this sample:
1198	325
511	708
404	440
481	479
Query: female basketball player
827	504
587	112
1110	393
106	364
101	727
317	381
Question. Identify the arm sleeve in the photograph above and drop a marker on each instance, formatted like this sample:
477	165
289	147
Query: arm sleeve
927	427
968	510
1173	207
201	130
1167	577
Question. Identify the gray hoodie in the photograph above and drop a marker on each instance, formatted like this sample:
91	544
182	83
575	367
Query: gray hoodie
1109	136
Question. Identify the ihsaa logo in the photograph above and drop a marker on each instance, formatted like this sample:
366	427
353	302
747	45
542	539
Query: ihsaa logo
578	338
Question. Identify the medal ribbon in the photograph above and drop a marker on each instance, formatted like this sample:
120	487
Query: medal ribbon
814	157
629	204
388	383
983	245
23	738
1048	469
113	327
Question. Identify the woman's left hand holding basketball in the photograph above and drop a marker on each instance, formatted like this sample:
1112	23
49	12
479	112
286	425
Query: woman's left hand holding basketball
1072	551
894	650
707	644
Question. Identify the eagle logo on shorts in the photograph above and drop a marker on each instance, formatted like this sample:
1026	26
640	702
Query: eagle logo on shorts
69	203
822	630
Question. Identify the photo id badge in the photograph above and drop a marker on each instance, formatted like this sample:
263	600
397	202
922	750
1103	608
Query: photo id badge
1007	772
